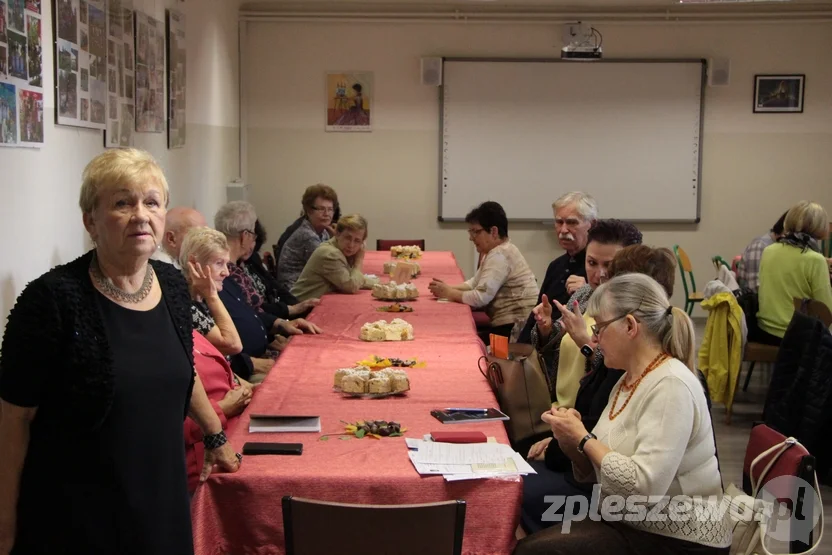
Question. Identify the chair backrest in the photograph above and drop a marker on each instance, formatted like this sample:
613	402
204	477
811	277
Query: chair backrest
815	309
685	268
385	244
271	266
795	462
434	528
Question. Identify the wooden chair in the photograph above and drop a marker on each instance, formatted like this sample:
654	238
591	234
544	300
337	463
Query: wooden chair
754	353
816	309
314	527
269	262
385	244
692	296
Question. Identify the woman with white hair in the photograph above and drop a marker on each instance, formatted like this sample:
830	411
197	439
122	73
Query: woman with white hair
790	269
237	221
97	378
654	437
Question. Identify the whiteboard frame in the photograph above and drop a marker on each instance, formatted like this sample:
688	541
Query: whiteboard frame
704	82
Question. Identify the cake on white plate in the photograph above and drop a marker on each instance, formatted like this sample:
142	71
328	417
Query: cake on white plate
397	330
406	251
393	290
390	267
361	380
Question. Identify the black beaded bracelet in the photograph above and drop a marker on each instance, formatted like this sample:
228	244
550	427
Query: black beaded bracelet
214	441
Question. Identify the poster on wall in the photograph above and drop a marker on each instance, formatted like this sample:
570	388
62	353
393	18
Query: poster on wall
21	73
150	74
120	80
349	100
81	68
176	79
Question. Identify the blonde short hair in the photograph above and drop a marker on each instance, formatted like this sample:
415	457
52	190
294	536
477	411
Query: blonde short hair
807	217
352	222
119	167
200	243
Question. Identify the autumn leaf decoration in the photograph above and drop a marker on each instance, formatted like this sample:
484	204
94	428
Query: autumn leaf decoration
375	429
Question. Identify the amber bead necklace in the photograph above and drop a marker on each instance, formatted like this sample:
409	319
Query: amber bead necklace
632	388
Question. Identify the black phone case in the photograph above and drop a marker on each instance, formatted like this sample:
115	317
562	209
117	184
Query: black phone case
272	448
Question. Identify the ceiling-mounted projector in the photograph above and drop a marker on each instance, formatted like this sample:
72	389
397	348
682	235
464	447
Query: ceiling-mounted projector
581	42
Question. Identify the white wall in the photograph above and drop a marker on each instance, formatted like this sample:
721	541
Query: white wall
754	165
40	223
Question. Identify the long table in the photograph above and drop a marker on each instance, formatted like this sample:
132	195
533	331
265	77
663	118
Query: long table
241	513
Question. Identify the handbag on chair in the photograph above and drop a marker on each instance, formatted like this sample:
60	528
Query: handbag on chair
750	533
522	390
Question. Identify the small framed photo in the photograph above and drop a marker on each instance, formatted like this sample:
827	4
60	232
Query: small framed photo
779	93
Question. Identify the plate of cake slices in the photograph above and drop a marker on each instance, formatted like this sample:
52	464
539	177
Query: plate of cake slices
393	291
381	330
390	268
395	307
360	381
408	252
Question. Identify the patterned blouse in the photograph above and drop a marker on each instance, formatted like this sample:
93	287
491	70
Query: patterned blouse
201	315
254	296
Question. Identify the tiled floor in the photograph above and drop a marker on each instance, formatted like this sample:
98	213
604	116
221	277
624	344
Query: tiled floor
732	440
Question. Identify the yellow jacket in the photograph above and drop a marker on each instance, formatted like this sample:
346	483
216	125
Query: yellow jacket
720	356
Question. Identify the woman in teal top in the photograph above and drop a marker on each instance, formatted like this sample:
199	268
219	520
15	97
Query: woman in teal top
790	269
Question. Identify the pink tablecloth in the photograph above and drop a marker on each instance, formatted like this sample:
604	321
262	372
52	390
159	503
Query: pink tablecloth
241	513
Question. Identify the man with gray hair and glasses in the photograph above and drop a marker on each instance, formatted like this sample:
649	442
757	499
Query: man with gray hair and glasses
575	213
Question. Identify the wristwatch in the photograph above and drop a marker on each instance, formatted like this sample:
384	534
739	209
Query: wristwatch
587	351
586	438
214	441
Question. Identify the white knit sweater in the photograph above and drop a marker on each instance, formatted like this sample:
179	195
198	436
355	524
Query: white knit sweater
662	445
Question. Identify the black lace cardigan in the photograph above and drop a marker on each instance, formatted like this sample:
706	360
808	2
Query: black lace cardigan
56	354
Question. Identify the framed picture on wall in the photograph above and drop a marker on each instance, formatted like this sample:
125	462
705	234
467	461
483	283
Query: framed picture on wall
779	93
349	101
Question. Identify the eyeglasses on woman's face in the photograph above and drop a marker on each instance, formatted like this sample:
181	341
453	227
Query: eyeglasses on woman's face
323	209
598	327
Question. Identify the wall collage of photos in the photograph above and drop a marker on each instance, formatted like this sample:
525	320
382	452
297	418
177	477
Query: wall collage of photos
150	74
176	80
21	73
81	63
109	71
120	64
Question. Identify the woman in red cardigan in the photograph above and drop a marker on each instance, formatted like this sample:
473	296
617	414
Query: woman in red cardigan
229	396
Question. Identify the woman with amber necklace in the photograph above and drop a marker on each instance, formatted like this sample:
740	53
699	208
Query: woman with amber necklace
653	441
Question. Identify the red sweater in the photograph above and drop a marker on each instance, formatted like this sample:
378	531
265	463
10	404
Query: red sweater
218	379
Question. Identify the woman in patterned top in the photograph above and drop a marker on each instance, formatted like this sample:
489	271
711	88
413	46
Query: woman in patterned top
236	221
320	203
265	293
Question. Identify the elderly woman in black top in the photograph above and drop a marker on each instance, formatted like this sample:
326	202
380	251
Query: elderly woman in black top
96	378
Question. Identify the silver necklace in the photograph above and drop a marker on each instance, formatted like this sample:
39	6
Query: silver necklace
111	290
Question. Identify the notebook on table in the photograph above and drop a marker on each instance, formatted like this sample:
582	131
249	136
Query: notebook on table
284	423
